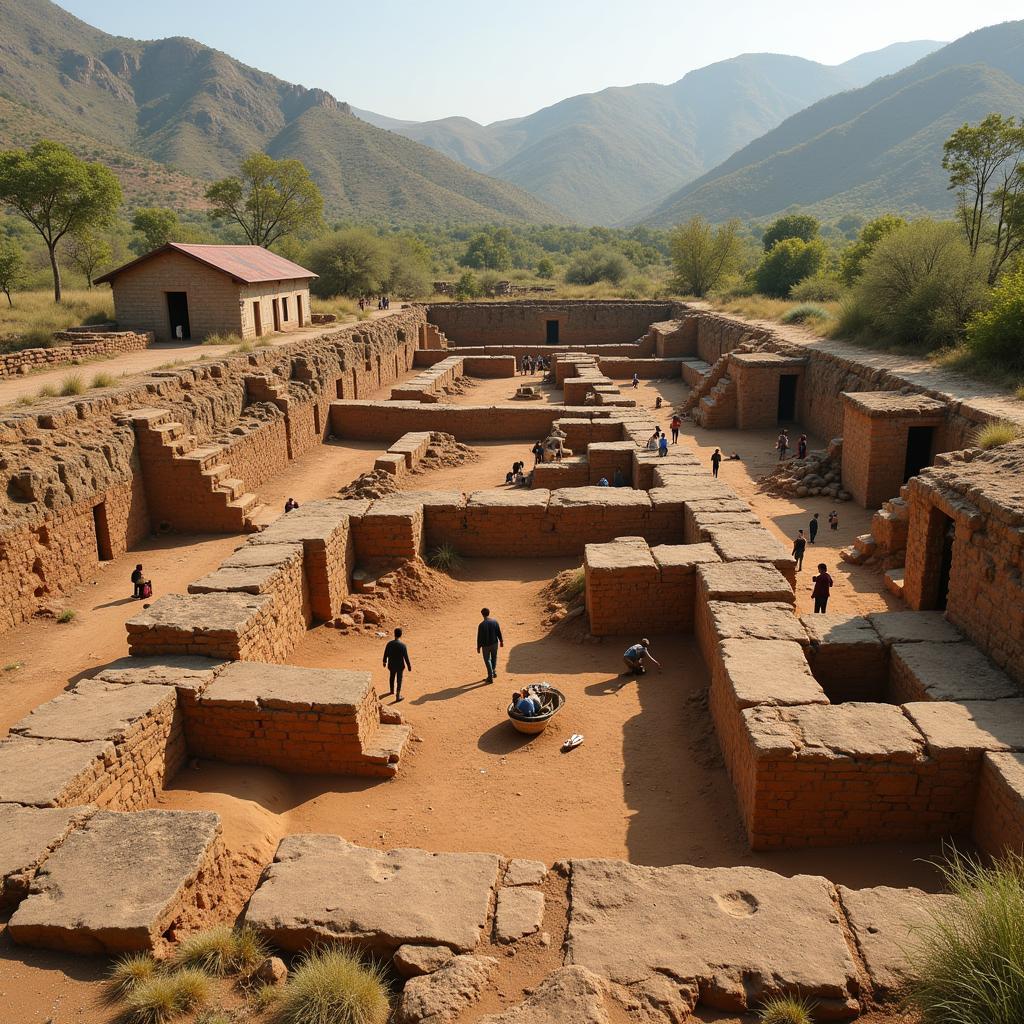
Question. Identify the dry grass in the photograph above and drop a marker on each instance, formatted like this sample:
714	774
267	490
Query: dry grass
997	433
785	1010
36	316
222	339
342	307
222	950
163	997
103	380
71	385
333	986
760	307
129	972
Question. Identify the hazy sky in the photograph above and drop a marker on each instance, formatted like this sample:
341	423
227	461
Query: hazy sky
422	59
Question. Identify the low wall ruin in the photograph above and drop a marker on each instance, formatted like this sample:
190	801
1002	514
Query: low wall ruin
72	347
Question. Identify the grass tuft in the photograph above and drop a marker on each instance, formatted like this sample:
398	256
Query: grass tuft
163	997
222	950
66	616
103	380
1020	392
968	967
785	1010
333	986
571	583
264	996
47	391
72	385
994	434
445	558
803	312
129	972
222	339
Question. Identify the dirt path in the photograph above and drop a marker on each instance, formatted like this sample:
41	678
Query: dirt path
134	364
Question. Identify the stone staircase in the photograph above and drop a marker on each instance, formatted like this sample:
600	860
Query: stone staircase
717	408
189	487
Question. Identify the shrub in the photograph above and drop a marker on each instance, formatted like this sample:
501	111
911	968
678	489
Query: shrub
968	965
820	287
545	268
785	1010
853	257
992	435
103	380
166	996
995	334
467	287
598	265
805	311
129	972
66	616
47	391
445	558
788	262
333	986
921	284
72	385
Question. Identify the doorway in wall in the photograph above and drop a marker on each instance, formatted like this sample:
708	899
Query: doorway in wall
919	451
299	311
938	560
787	397
551	336
101	528
257	319
276	308
177	315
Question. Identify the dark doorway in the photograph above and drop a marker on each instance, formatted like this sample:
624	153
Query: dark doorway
257	319
177	314
945	564
919	451
277	314
552	332
787	397
104	549
299	310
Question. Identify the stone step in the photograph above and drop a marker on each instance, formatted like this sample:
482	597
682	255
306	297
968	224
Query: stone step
893	579
865	544
853	555
387	743
205	455
232	486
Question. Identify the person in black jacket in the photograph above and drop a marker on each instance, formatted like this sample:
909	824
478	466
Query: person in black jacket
488	640
138	582
396	658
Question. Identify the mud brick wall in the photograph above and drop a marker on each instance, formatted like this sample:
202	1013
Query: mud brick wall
489	366
674	339
623	368
391	531
604	458
525	323
258	452
999	815
570	472
756	377
73	346
431	384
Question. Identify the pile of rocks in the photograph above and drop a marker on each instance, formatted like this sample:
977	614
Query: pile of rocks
374	599
443	451
820	474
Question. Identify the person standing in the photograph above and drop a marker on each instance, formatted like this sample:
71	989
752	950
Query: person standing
716	461
488	640
812	527
636	381
822	588
833	520
799	546
674	427
801	447
663	446
782	444
538	452
396	659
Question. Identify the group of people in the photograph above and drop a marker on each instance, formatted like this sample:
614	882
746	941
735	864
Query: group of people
517	475
782	445
383	302
618	480
534	364
527	702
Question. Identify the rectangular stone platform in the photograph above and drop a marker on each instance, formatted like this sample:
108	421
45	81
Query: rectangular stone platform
119	882
847	656
942	671
53	773
324	889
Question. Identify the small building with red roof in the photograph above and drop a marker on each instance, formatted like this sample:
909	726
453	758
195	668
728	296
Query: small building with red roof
188	292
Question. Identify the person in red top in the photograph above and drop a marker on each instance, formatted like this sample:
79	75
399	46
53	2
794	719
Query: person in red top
822	587
674	427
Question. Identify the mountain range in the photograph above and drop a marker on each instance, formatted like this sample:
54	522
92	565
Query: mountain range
599	157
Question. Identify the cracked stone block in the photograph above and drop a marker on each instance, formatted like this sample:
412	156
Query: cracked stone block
569	995
914	627
938	671
50	773
525	872
412	961
520	912
440	997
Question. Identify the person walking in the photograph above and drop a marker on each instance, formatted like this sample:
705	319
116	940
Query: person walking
812	527
799	546
488	640
396	660
833	520
716	461
635	656
674	427
538	452
801	447
663	446
138	583
782	444
822	588
636	381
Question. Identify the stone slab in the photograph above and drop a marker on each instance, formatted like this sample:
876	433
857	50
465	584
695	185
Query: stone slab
959	672
117	883
815	732
771	672
323	888
412	961
255	555
885	923
96	710
525	872
770	620
839	629
313	521
969	727
677	560
620	554
569	995
520	912
42	773
914	627
204	614
253	579
245	684
744	581
185	672
537	499
28	835
440	997
727	937
599	497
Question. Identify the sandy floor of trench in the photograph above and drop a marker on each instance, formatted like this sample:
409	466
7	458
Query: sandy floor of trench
647	785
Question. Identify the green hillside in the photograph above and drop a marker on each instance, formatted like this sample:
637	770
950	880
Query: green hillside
200	112
868	150
599	157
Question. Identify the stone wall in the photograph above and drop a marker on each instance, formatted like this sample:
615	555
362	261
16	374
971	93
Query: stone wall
72	347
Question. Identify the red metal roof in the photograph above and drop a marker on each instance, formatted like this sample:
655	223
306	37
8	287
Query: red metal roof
246	264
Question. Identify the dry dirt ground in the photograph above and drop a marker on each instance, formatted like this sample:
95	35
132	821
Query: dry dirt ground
647	784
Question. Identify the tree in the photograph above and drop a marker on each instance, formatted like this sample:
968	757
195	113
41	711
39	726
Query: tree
788	262
921	284
410	264
792	225
58	194
467	287
488	250
985	163
89	251
703	256
157	225
853	257
12	268
350	262
994	334
270	199
545	269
